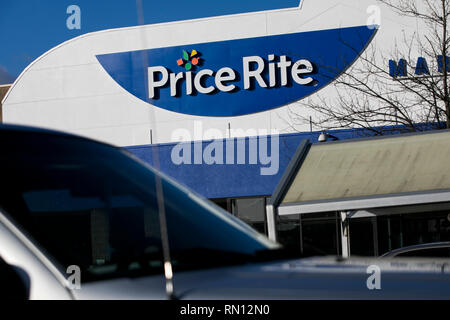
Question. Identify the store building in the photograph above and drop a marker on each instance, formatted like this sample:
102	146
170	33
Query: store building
3	90
142	85
364	196
240	188
168	89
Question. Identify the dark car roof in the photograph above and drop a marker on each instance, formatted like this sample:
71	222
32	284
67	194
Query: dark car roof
22	128
36	130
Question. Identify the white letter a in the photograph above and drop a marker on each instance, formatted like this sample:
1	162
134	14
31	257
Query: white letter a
74	20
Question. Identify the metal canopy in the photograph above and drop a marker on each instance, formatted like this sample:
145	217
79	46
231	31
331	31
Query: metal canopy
366	173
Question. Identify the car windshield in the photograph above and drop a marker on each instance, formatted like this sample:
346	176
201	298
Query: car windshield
92	205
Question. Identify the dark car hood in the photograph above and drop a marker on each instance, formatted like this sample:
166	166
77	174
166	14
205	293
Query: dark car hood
311	278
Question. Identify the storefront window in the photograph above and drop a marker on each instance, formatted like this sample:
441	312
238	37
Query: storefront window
314	235
288	231
426	228
370	237
252	211
223	203
363	237
390	233
320	235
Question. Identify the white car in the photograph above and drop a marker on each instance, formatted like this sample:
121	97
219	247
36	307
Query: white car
84	220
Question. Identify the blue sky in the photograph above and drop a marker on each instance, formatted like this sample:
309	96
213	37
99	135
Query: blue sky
28	28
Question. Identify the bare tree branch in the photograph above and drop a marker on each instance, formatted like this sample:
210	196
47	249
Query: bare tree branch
367	96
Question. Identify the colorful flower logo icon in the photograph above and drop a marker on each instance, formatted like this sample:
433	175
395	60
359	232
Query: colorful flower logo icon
189	60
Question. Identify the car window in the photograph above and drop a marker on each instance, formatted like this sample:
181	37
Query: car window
91	205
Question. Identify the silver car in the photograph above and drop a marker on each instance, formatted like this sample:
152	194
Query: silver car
433	249
84	220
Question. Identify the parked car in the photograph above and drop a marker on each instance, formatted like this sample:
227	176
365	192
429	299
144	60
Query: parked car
73	207
434	250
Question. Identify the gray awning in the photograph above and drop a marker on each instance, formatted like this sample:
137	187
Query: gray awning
367	173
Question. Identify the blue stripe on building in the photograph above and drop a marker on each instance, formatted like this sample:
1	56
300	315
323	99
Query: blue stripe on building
233	180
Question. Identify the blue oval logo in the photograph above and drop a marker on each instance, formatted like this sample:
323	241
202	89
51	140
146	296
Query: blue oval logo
237	77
